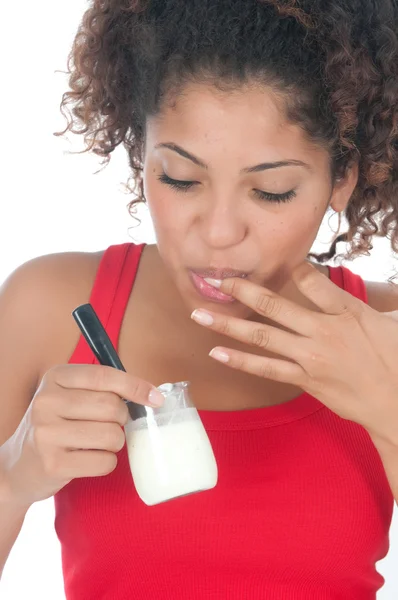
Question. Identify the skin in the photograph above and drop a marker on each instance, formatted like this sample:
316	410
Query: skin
171	346
221	221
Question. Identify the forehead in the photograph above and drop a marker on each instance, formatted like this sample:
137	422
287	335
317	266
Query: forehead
251	119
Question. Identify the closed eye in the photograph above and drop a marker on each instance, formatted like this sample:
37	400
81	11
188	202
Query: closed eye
176	184
183	186
285	197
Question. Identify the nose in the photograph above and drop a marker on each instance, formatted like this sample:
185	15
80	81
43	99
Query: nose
222	222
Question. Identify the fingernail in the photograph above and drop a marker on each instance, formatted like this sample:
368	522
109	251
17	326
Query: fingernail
202	317
155	397
219	355
214	282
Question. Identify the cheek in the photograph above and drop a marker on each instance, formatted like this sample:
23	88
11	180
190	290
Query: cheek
288	242
293	230
161	206
305	225
168	220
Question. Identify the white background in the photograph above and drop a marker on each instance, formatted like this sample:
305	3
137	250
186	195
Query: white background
52	202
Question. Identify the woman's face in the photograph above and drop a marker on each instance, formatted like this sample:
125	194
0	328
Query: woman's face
233	186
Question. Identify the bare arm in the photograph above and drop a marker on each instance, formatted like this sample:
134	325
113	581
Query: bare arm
11	520
35	323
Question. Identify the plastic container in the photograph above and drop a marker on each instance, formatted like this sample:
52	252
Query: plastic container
169	452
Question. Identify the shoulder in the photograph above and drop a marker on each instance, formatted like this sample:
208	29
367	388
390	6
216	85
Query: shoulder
37	329
383	297
37	299
42	279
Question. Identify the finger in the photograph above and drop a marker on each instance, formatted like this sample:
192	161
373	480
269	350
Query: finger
268	368
391	315
88	463
326	295
99	378
84	405
85	435
256	334
270	305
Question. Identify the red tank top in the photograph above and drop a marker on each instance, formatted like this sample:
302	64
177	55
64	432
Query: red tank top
301	511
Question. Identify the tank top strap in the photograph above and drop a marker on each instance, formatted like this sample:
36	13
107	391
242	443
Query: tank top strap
349	281
110	293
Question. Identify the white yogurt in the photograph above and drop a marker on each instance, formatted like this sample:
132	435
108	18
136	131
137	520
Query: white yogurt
170	459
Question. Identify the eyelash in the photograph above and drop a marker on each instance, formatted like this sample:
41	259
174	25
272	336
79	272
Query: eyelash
184	186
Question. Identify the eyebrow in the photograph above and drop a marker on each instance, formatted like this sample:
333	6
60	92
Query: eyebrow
256	169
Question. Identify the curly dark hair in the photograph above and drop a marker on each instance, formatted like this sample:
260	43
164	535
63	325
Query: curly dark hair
335	61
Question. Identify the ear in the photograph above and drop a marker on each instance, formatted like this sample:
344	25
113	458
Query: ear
343	188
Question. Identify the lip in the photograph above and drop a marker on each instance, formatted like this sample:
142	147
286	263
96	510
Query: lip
205	290
219	273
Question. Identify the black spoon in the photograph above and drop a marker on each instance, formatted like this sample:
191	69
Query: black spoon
102	347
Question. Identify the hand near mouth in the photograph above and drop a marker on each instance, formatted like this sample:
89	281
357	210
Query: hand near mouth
345	355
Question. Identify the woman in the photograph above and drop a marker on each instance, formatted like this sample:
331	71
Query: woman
245	122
